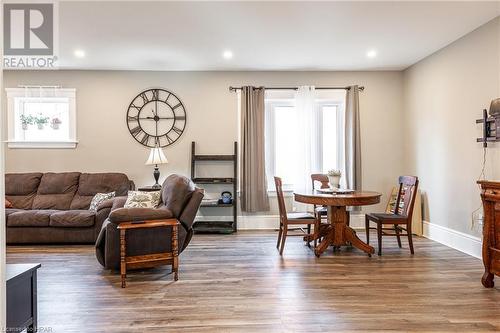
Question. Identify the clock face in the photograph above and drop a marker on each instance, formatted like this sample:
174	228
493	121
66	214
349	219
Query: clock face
156	117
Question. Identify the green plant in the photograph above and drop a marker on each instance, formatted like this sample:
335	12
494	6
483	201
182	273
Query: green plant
333	173
41	120
27	120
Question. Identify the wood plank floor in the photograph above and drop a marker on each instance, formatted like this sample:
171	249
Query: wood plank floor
239	283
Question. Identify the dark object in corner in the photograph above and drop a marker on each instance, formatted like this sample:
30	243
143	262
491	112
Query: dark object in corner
490	195
22	302
491	125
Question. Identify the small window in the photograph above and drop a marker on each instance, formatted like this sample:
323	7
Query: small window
41	118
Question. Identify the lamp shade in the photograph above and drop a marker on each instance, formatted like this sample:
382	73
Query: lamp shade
156	156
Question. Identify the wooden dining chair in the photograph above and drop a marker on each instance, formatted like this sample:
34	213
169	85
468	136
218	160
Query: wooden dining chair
324	182
296	218
400	219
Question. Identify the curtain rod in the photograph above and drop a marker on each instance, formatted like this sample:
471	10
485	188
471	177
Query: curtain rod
231	88
31	86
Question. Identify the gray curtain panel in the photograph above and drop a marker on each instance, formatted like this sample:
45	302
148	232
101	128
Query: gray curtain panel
253	185
352	140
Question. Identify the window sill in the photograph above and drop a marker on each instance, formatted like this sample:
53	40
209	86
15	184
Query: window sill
42	144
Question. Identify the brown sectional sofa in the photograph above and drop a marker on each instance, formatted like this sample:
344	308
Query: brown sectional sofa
54	207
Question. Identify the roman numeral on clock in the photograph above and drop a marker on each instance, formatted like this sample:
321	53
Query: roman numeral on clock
145	139
156	94
176	130
136	130
144	98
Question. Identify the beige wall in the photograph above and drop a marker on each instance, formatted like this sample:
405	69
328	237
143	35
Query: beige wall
444	94
106	145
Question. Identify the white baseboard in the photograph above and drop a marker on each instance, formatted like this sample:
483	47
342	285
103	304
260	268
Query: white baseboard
271	222
457	240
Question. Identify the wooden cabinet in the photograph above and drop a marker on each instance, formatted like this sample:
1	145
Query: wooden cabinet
490	195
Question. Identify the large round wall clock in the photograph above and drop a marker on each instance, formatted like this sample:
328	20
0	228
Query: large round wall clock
156	117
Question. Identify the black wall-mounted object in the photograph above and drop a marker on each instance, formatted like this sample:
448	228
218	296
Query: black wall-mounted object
156	117
491	124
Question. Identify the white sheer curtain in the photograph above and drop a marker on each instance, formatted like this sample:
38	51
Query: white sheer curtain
308	138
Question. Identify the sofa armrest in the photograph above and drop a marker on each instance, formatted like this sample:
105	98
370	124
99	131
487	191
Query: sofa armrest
120	215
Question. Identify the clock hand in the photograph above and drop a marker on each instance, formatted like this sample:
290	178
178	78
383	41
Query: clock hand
156	118
152	118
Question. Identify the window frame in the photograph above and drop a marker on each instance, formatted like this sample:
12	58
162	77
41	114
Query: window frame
13	96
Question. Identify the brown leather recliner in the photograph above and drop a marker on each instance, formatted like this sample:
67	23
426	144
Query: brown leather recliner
179	199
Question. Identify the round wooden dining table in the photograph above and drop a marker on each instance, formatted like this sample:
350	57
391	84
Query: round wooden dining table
338	233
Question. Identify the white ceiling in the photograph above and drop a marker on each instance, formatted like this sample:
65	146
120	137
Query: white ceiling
140	35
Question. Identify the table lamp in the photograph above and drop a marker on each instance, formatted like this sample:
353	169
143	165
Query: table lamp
156	157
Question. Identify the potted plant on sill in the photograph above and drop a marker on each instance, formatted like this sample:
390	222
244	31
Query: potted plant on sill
26	120
334	178
55	122
41	121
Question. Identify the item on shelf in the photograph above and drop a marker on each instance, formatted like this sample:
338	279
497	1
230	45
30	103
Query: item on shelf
55	122
210	202
334	178
26	120
156	157
226	198
41	121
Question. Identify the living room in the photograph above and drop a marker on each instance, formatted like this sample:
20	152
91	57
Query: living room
156	160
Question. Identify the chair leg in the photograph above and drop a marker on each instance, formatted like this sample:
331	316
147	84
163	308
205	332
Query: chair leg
379	236
316	231
285	231
410	239
367	228
396	228
280	233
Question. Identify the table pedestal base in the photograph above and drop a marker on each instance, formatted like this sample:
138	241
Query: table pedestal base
339	233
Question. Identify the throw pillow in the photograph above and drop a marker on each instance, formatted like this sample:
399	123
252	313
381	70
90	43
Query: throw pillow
140	199
8	204
99	198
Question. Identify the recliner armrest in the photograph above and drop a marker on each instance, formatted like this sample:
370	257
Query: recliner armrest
120	215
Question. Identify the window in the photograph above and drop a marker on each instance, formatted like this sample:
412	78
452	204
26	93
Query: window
41	118
285	146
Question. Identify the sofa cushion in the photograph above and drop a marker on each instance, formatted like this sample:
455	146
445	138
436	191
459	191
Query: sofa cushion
100	198
142	199
139	214
8	204
176	192
30	218
56	190
21	188
9	211
72	219
92	183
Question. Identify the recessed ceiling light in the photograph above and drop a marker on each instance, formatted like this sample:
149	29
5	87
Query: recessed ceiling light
79	53
228	54
371	54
